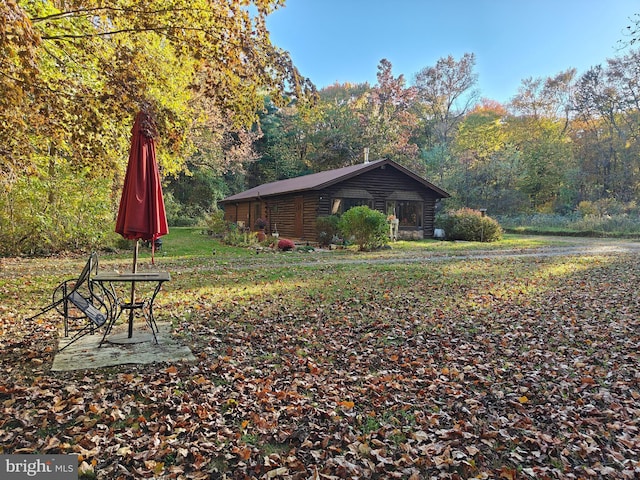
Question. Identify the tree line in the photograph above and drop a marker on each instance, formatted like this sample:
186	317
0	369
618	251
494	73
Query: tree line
560	141
233	112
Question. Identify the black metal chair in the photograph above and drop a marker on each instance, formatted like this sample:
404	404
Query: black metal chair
82	302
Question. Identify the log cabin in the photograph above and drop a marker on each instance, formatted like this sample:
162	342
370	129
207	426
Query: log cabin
290	207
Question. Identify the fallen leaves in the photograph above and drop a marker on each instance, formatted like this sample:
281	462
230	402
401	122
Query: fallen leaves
510	369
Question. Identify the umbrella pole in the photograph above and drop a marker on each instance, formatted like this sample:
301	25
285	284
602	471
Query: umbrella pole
135	257
133	288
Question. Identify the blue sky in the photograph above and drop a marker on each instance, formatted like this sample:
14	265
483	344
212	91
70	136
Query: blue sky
344	40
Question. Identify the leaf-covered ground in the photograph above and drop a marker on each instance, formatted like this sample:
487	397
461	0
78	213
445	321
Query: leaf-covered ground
513	367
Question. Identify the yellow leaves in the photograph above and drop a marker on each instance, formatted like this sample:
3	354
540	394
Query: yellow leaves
59	405
124	451
40	87
155	467
523	399
346	404
200	380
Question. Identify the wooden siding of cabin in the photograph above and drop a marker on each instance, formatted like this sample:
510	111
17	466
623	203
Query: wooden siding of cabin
381	184
429	214
237	212
244	212
282	215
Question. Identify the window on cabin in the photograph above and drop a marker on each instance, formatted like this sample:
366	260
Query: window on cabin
408	212
341	205
256	213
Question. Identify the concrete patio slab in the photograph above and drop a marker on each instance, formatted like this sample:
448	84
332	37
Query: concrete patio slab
87	353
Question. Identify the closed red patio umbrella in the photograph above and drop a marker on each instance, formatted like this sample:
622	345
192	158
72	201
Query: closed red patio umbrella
141	214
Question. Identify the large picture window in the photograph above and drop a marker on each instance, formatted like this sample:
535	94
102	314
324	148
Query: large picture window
408	212
341	205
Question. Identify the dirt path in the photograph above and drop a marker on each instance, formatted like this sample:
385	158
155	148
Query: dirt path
565	246
573	246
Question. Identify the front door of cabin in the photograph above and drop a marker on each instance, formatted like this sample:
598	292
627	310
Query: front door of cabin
298	223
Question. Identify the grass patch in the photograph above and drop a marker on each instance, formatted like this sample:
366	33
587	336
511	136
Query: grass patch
191	245
601	225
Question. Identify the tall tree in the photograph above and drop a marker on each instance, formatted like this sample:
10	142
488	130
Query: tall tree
607	109
76	72
546	157
445	93
623	73
386	117
550	97
19	44
283	147
539	130
336	133
489	168
223	46
632	36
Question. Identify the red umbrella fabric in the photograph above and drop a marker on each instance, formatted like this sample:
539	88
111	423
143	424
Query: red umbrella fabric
141	214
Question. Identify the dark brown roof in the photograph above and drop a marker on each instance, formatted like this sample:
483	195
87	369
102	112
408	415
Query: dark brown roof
318	181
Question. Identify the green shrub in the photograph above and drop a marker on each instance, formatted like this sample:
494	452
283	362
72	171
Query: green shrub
327	228
179	215
215	223
368	227
239	237
49	212
470	225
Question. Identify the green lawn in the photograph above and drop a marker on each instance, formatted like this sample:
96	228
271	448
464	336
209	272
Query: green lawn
429	360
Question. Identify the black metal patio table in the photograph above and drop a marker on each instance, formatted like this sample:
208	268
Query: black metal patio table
145	305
